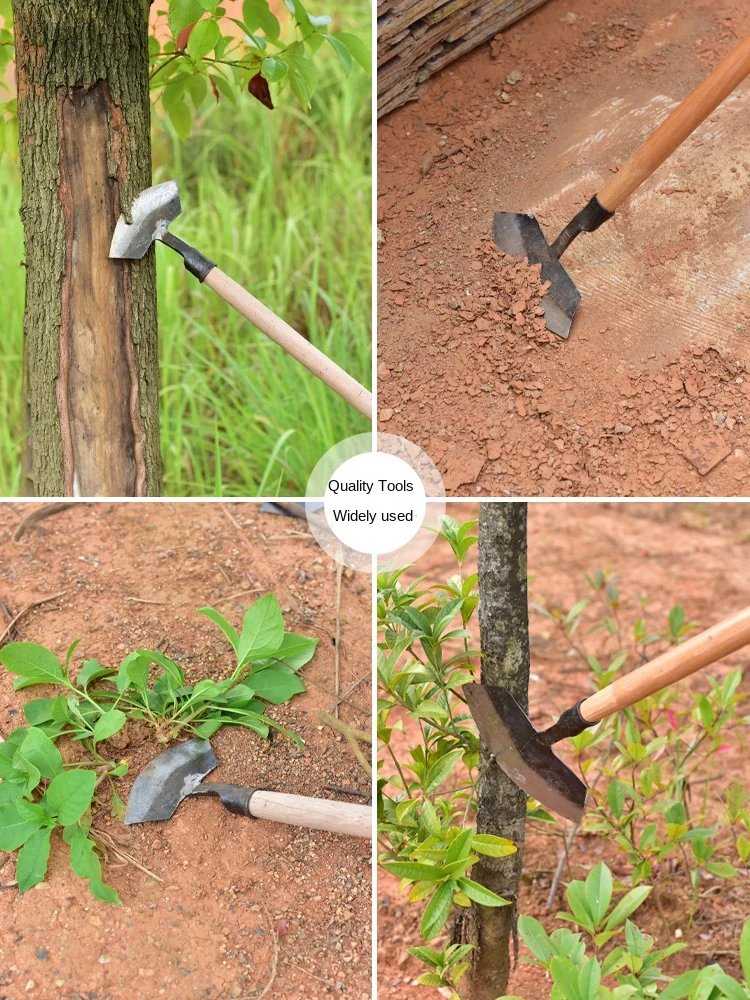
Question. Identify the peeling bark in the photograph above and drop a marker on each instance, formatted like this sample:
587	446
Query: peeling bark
91	356
501	808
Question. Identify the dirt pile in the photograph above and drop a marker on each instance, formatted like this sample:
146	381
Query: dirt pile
663	287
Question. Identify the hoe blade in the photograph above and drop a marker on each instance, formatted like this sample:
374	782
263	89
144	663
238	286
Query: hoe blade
521	236
168	779
151	212
514	743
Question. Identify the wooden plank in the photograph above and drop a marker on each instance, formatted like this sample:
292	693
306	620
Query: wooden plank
416	38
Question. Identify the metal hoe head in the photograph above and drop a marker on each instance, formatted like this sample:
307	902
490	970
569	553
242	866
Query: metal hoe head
521	236
168	779
518	749
151	212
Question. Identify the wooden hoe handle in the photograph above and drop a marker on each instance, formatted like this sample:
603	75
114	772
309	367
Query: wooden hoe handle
291	341
678	662
673	132
316	814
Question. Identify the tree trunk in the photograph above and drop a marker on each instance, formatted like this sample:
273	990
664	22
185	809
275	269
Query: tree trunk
501	809
91	363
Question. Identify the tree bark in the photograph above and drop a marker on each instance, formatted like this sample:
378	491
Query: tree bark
501	808
91	361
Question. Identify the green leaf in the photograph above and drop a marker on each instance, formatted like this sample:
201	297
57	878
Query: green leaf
133	672
589	978
39	751
430	819
362	53
273	70
294	652
31	866
480	894
565	975
535	938
181	118
414	871
438	910
109	724
627	905
460	847
70	794
440	770
257	15
39	710
276	684
32	663
721	869
203	38
92	671
182	13
173	672
745	950
599	891
493	847
262	630
14	830
342	51
218	619
85	863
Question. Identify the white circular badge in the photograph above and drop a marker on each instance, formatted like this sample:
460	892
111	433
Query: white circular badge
375	503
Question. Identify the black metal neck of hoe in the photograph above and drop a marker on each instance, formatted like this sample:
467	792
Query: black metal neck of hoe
588	219
570	723
195	262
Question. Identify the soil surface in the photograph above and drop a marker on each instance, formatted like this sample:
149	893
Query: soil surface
671	553
231	905
650	395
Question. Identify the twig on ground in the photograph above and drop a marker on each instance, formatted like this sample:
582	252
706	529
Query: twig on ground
337	641
29	607
347	791
352	736
241	593
274	962
143	600
350	690
327	690
108	842
46	510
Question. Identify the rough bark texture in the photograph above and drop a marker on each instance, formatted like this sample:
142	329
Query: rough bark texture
91	360
501	810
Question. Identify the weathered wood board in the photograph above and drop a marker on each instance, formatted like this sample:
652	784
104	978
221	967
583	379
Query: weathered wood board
416	38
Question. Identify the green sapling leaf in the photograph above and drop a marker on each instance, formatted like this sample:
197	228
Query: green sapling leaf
262	630
438	910
203	38
31	866
226	628
41	753
85	862
32	663
14	829
257	16
69	795
182	13
109	724
276	684
92	671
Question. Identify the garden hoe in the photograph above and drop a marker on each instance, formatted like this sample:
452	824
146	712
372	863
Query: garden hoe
151	212
521	235
526	755
179	772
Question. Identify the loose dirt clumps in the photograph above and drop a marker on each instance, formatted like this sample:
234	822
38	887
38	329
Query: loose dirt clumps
223	906
529	429
538	123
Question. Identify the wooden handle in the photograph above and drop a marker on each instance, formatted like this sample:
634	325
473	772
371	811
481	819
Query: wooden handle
316	814
678	662
673	132
291	341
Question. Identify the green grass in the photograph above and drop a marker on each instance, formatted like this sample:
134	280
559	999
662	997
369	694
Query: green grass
281	201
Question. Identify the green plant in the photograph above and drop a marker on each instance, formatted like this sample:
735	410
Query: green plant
425	804
578	968
39	793
650	768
